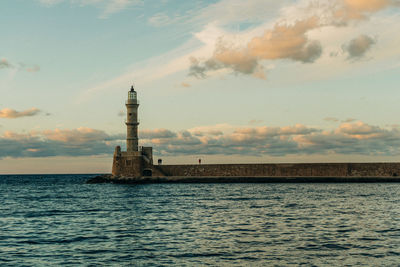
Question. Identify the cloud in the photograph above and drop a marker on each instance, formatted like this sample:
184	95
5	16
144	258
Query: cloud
4	64
356	138
155	134
13	114
75	136
196	69
204	56
289	39
331	119
348	120
50	2
358	129
284	41
161	20
239	60
287	42
348	138
235	11
360	9
357	47
34	68
255	121
114	6
183	84
59	142
108	6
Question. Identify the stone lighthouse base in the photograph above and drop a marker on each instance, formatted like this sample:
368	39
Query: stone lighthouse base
134	164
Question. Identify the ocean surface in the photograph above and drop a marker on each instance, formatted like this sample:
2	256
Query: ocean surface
60	220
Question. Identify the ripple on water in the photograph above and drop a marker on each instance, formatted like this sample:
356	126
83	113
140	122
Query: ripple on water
59	220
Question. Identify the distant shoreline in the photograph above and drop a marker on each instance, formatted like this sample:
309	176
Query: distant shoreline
236	179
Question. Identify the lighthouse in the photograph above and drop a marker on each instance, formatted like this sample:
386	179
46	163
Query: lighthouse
132	122
135	161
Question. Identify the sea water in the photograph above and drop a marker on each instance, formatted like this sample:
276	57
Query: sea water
60	220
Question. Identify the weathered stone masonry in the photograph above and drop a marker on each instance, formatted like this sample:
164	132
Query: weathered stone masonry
285	170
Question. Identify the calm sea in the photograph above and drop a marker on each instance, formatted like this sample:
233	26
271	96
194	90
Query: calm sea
59	220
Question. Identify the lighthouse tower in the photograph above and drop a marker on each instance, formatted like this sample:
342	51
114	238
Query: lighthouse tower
135	161
132	122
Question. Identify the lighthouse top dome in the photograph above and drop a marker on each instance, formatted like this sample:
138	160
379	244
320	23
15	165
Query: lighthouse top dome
132	96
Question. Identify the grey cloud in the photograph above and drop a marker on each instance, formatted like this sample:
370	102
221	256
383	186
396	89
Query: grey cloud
196	69
349	120
331	119
357	47
215	132
158	133
204	133
5	64
309	53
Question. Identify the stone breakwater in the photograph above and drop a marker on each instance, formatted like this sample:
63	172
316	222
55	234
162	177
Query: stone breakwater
257	173
283	170
232	179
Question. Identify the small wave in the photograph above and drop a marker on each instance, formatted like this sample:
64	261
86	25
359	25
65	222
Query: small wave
346	230
335	246
204	254
291	205
387	230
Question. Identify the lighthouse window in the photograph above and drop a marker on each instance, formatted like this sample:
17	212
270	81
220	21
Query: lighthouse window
130	114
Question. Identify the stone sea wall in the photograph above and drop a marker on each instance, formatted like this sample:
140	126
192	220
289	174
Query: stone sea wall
284	170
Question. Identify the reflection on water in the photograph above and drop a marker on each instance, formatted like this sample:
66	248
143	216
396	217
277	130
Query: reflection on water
59	220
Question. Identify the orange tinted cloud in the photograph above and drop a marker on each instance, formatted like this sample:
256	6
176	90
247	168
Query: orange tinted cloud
76	136
282	42
13	114
183	84
360	9
287	42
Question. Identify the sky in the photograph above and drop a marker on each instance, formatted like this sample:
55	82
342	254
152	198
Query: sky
226	81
